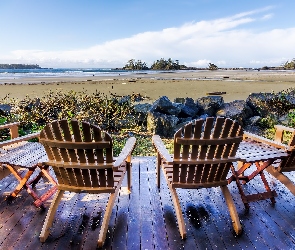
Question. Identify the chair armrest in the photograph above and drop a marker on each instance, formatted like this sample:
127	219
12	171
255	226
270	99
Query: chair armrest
261	139
13	127
19	139
284	128
125	153
161	148
280	133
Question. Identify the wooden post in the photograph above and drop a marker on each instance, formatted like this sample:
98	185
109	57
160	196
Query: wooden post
14	131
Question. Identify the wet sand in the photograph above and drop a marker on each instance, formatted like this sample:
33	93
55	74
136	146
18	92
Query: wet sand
237	84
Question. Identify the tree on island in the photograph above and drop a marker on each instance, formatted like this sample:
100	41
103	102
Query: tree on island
133	65
290	65
212	66
161	64
169	64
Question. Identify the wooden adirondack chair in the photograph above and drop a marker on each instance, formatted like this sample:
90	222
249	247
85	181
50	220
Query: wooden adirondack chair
285	165
203	155
82	159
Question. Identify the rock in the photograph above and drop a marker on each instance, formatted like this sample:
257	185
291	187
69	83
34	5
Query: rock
254	121
5	109
190	108
141	111
258	102
161	124
36	104
165	106
210	104
182	122
142	108
237	110
254	129
125	99
179	100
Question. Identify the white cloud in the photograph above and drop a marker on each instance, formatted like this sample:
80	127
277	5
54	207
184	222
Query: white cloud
267	16
223	41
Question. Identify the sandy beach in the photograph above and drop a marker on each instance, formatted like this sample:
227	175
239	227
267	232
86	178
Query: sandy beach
237	84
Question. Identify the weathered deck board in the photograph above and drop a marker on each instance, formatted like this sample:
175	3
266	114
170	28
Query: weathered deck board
145	218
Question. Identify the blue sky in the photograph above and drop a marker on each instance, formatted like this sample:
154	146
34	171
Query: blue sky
101	33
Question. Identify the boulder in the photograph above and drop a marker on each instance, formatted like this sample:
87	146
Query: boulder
259	103
124	99
254	120
141	111
189	109
182	122
161	124
5	109
237	110
210	104
179	100
165	106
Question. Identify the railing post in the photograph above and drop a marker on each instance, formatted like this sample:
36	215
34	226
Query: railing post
14	131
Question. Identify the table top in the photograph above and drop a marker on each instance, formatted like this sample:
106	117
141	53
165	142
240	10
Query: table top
253	151
25	155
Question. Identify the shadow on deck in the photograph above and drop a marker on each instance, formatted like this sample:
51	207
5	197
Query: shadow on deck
145	218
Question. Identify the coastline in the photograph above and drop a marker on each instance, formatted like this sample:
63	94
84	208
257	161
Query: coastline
237	84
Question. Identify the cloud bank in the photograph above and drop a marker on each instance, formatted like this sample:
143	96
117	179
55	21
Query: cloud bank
225	42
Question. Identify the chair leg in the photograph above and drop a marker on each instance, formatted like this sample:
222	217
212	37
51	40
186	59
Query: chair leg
106	218
282	178
50	215
232	210
158	169
178	211
128	168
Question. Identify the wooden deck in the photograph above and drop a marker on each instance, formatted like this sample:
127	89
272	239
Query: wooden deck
145	218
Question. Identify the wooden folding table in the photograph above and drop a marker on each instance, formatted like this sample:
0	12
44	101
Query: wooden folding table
27	156
262	155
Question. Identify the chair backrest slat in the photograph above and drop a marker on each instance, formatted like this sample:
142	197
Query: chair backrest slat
48	150
89	153
177	147
78	138
68	137
187	134
236	131
197	135
50	135
217	171
206	135
224	134
97	137
215	134
58	136
109	151
88	138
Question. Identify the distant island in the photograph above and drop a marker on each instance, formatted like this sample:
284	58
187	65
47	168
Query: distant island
163	64
20	66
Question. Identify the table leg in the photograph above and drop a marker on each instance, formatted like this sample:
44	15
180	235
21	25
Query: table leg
24	183
238	177
262	176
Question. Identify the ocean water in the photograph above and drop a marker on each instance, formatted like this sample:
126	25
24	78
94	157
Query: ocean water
66	72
